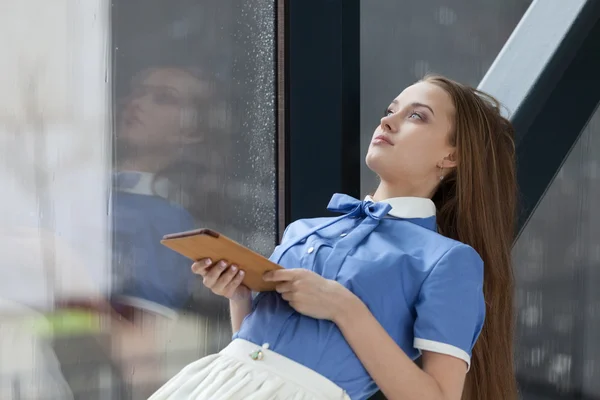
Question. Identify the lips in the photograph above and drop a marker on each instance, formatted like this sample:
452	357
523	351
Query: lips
382	139
132	118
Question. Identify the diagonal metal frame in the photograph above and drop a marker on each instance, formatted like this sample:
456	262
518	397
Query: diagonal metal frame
546	72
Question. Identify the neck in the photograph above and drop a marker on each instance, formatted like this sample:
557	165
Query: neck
387	190
143	163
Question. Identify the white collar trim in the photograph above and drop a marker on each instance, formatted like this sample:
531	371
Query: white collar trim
147	185
409	207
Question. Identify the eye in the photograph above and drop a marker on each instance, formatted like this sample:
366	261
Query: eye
165	98
387	112
416	115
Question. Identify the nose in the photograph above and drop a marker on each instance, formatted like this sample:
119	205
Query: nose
138	103
138	100
130	106
388	124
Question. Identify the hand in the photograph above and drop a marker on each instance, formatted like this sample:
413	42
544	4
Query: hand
222	279
311	294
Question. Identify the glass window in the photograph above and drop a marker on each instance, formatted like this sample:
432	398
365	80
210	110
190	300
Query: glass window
123	121
557	264
401	41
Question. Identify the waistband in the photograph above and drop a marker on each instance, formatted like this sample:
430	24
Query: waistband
289	370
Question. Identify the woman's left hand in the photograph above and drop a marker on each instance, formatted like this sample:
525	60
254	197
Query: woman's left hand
311	294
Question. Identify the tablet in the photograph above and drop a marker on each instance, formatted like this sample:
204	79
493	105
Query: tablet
206	243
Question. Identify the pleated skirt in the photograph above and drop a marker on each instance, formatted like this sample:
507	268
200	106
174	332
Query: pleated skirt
246	371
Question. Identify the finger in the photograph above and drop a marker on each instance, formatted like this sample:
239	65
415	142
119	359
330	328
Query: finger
210	278
232	286
200	266
225	278
289	296
284	287
280	275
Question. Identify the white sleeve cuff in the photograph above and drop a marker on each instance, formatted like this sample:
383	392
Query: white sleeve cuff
442	348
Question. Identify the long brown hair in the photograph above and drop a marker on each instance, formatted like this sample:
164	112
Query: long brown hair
476	205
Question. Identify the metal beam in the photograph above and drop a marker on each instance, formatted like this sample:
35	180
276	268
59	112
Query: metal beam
529	50
547	77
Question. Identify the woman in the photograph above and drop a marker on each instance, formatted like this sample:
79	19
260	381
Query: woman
167	119
366	293
163	126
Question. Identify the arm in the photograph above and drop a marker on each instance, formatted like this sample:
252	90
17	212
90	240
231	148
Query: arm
449	314
442	377
398	377
450	311
226	280
239	309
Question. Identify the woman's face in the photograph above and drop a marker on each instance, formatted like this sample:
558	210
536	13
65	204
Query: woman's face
161	112
413	137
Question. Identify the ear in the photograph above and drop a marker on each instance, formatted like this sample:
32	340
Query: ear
450	160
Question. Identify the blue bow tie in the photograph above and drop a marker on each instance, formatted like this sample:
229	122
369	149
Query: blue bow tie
345	204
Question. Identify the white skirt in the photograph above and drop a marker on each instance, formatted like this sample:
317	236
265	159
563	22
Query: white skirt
238	372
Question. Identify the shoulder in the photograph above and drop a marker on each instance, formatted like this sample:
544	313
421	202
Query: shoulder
152	209
461	261
454	248
446	249
440	253
424	244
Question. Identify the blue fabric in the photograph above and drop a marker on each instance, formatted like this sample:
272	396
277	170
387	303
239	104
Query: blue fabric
144	268
416	282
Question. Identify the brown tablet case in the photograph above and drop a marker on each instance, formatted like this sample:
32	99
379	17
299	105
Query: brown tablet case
206	243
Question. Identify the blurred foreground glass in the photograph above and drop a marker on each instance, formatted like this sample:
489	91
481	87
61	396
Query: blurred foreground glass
121	122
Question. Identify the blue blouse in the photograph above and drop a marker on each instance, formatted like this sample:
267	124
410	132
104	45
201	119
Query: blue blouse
425	290
148	273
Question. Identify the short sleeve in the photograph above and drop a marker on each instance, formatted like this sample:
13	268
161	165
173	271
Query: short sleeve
450	307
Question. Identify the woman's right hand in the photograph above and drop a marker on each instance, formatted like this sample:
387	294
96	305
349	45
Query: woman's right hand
222	279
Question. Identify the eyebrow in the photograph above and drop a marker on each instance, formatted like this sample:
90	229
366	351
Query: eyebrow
416	104
162	86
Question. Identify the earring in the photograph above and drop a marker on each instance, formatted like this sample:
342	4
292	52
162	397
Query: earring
441	172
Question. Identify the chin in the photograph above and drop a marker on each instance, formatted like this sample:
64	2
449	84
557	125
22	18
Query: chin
373	161
384	167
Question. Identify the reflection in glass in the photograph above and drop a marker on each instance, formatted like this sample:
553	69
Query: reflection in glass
193	147
159	137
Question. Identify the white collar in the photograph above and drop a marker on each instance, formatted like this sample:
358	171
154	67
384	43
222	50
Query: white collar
148	184
409	207
144	183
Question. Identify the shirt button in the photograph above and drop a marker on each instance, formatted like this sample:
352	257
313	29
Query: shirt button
344	235
310	250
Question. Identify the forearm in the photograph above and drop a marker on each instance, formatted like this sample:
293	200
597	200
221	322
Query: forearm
395	373
239	309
